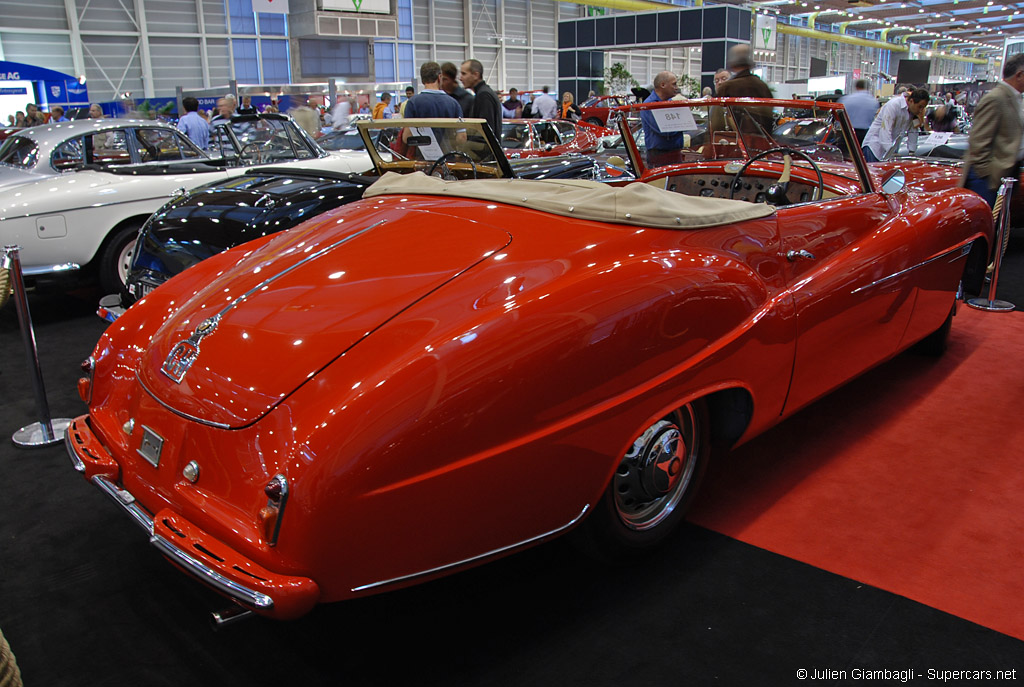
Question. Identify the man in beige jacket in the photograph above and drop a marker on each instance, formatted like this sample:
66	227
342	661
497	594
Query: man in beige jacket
995	145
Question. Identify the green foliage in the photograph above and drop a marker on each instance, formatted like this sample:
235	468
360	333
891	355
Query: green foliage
689	87
618	79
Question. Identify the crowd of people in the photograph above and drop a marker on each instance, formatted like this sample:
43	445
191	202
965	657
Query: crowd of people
33	115
996	144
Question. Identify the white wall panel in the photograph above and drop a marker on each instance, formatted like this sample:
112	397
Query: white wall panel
38	14
218	54
215	16
112	66
176	62
422	55
516	13
449	21
447	53
545	28
105	15
172	16
421	29
52	51
517	73
545	67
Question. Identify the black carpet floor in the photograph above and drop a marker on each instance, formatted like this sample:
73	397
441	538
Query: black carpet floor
85	601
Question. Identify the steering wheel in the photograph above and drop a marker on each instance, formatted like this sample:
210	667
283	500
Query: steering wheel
255	149
776	193
442	162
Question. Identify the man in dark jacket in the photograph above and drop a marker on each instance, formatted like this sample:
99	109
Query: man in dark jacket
745	84
485	101
450	85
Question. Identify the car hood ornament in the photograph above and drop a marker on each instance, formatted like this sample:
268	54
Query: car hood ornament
185	352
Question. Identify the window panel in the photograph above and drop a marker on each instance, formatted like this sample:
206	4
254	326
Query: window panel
384	59
240	17
276	67
247	69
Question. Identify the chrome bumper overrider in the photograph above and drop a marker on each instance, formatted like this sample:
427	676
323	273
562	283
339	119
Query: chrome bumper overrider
175	537
245	596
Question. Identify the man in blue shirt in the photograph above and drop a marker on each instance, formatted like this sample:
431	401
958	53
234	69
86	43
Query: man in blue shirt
861	107
192	125
57	114
662	148
431	101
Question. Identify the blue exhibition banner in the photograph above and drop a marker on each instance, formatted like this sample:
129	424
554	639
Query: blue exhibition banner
14	91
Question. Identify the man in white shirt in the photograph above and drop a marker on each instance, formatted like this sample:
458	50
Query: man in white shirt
894	119
544	106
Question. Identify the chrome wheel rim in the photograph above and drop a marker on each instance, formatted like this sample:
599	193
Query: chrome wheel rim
124	261
657	471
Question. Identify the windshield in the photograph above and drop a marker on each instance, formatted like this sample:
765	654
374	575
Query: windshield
18	151
682	132
261	140
466	148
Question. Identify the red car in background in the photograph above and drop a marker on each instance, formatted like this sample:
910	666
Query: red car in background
548	137
595	110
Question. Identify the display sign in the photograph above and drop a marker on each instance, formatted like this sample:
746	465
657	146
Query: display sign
937	138
270	6
765	32
674	119
377	6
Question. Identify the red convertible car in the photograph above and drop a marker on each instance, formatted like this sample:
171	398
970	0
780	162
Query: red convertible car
596	110
522	138
457	367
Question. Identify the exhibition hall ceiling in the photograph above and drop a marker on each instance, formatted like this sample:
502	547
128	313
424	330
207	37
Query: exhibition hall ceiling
958	25
941	24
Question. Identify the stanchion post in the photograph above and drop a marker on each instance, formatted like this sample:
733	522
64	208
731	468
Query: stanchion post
47	431
991	304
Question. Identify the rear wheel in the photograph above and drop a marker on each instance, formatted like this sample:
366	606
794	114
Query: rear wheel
116	258
595	121
652	488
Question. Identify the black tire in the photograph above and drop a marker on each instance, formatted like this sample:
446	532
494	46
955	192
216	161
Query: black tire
115	258
936	343
636	513
595	121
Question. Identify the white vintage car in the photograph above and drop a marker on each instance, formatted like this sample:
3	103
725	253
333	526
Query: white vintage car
75	194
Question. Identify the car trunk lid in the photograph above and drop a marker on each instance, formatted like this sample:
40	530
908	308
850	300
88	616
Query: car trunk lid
265	326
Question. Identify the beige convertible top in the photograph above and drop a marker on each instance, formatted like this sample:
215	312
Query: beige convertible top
639	204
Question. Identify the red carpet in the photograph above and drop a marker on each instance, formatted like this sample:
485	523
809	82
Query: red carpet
910	479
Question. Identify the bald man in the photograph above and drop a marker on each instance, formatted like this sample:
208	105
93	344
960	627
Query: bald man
662	147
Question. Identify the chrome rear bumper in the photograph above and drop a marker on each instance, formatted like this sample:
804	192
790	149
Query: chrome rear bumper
187	546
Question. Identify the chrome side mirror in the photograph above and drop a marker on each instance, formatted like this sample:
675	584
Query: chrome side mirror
894	182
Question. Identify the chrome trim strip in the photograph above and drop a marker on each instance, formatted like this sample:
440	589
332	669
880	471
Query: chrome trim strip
50	269
962	249
208	423
495	552
124	499
192	565
243	595
76	462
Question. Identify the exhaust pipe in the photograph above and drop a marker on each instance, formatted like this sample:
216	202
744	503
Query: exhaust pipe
229	616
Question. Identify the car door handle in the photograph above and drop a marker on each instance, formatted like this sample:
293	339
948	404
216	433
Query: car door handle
793	255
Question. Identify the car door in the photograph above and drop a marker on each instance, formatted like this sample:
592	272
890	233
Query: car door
845	259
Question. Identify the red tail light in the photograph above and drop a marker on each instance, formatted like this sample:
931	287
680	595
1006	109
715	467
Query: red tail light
270	515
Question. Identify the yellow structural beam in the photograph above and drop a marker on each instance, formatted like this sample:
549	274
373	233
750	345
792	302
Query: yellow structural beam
866	42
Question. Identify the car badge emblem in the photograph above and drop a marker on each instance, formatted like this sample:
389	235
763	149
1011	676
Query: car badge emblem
184	353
